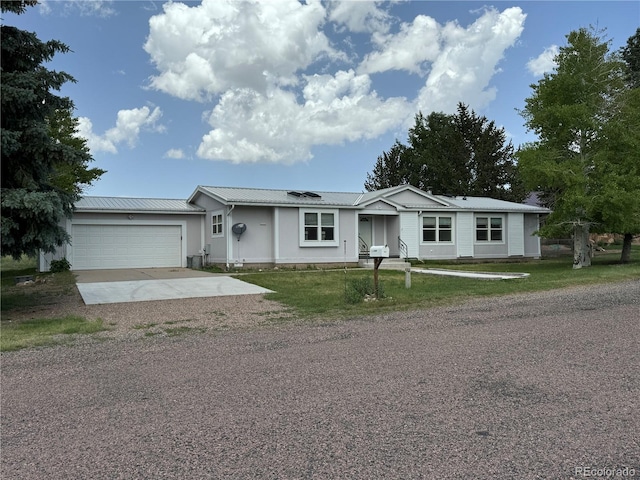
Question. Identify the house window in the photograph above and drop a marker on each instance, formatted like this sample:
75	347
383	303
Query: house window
437	229
489	229
216	225
319	228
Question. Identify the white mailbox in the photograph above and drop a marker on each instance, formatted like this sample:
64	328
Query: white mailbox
379	251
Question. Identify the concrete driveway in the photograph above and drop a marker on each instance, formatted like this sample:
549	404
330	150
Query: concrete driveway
145	284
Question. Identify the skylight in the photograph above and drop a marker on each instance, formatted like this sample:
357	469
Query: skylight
304	194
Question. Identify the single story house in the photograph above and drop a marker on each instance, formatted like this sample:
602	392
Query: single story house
259	227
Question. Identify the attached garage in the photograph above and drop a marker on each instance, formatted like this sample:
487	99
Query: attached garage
125	246
119	232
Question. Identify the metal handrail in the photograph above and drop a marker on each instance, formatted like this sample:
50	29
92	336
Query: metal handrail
364	248
403	248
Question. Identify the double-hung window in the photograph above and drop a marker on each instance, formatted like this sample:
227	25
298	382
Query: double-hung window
319	227
489	229
437	229
216	225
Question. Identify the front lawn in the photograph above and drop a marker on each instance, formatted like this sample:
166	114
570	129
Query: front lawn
325	292
47	290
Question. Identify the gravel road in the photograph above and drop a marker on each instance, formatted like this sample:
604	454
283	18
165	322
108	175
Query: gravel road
526	386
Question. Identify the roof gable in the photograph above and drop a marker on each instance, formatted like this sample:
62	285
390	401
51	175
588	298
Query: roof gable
403	196
381	204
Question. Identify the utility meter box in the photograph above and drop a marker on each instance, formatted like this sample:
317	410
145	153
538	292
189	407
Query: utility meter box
379	251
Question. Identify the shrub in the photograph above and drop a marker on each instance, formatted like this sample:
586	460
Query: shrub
61	265
359	288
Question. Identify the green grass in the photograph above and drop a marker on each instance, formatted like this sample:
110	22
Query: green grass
44	331
313	293
50	288
323	292
11	264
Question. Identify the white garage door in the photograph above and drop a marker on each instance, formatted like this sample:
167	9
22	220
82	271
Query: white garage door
125	246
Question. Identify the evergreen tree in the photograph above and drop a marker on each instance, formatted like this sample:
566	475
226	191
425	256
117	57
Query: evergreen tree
37	153
460	154
391	169
631	56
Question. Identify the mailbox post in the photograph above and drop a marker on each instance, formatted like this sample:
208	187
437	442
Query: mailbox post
378	253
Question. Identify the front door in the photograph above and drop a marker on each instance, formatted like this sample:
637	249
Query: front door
365	232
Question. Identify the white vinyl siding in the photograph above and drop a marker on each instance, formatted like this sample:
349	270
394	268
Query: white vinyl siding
515	234
465	234
409	232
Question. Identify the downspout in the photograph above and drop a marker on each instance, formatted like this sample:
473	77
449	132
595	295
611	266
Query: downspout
229	243
203	229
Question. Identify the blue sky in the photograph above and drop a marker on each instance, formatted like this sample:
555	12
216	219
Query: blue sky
286	94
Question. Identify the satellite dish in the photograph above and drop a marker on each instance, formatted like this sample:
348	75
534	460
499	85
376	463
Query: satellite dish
238	229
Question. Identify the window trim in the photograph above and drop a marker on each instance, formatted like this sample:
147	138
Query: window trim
217	213
319	243
489	217
437	229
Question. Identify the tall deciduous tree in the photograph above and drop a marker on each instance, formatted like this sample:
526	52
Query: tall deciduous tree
626	127
44	166
570	110
459	154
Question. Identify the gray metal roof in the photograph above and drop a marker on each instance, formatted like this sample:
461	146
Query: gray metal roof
119	204
260	196
487	204
257	196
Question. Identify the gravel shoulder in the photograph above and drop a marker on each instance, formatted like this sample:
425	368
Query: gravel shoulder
525	386
138	319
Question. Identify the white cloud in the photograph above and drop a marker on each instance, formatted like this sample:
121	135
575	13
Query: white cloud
204	50
468	59
97	8
254	63
251	127
543	63
416	42
96	143
360	16
174	153
129	123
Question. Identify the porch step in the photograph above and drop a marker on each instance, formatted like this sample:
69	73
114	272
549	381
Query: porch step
387	264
